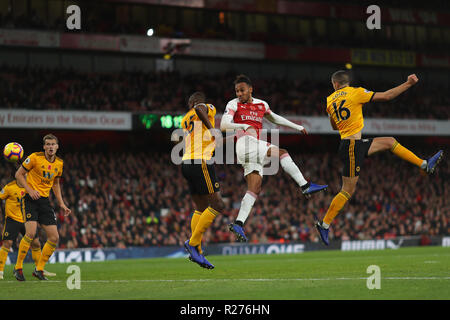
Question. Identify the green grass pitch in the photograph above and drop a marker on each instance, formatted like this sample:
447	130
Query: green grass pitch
406	273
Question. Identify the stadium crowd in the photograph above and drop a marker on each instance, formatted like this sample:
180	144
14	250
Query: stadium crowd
66	89
327	32
122	200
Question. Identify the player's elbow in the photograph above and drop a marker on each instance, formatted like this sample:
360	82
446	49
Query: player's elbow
223	126
383	96
18	174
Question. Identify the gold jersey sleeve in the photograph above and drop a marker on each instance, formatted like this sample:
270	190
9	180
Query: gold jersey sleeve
344	106
198	141
13	194
42	173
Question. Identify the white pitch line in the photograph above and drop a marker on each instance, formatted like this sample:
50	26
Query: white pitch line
227	280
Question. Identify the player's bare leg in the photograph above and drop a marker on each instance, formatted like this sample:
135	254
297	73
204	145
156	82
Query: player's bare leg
254	182
338	202
289	166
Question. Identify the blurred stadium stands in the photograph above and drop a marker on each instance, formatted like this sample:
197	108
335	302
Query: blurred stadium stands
128	193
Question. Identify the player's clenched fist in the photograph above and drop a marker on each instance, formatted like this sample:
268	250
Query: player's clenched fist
412	79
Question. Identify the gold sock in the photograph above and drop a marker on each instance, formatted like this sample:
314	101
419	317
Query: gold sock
194	220
336	205
36	254
204	222
405	154
23	250
47	251
3	256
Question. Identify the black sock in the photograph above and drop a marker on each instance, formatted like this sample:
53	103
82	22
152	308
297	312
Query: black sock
306	186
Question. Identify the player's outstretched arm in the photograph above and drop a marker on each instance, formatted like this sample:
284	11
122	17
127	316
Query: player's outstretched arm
226	123
395	92
279	120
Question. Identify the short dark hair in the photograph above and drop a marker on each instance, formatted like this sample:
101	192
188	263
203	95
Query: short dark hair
242	78
196	97
341	77
49	136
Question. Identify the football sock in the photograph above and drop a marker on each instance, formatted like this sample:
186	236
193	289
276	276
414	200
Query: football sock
291	169
36	254
405	154
194	220
22	252
204	222
47	251
336	205
3	255
246	206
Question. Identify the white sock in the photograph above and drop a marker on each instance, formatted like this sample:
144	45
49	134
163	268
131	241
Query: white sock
246	206
291	169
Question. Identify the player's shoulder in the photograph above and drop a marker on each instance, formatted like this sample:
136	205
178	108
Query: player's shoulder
11	184
258	101
233	104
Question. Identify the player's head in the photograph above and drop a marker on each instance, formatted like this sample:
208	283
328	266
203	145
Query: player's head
196	98
50	144
340	79
243	87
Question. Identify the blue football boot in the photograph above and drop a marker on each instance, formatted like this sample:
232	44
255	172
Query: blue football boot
434	161
323	233
238	232
311	188
194	255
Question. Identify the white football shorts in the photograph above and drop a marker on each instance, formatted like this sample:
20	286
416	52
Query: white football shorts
252	154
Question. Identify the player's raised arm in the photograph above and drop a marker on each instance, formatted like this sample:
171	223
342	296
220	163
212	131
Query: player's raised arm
202	112
396	91
279	120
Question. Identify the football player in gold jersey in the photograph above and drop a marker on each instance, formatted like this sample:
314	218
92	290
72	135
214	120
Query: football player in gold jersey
198	169
39	174
13	194
344	108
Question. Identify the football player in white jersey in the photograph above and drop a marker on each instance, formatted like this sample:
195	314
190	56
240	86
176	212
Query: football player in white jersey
245	115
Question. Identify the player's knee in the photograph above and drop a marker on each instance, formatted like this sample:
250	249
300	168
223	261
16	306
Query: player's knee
35	244
30	234
349	189
390	142
282	152
218	205
7	244
53	238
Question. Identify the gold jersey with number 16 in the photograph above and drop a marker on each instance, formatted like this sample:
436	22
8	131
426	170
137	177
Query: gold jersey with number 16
344	106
